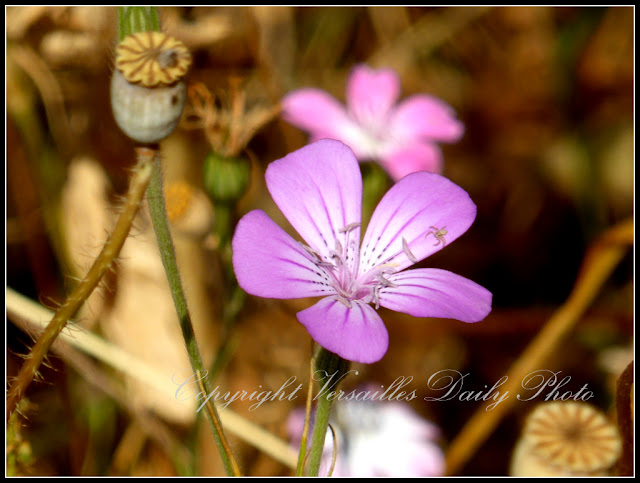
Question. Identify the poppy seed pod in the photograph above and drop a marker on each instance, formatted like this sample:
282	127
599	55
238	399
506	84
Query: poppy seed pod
566	438
148	91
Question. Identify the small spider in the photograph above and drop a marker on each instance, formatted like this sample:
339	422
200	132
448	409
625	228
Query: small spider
439	234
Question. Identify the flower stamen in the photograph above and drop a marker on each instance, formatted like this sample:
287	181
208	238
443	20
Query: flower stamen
385	281
344	301
311	252
349	227
405	248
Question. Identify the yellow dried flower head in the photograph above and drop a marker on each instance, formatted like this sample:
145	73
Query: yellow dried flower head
178	196
568	438
188	208
152	59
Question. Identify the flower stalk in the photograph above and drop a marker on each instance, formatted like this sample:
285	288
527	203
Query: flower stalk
329	367
160	222
130	21
305	430
137	19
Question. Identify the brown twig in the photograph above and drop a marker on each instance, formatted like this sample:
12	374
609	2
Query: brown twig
111	249
624	410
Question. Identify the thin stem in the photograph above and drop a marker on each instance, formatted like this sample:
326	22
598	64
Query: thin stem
320	425
167	253
334	454
305	430
602	257
329	367
137	19
110	250
215	420
132	20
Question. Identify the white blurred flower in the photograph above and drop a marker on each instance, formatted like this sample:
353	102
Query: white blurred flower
377	438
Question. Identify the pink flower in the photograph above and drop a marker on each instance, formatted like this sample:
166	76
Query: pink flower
319	190
401	137
377	438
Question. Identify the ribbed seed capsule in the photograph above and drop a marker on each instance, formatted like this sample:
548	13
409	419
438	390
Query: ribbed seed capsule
566	438
152	58
148	91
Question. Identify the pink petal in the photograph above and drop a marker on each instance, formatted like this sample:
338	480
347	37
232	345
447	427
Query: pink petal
430	292
295	425
317	112
371	93
408	159
425	117
355	137
413	210
319	190
356	334
269	263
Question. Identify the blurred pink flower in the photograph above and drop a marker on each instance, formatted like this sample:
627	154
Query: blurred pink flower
319	190
401	137
376	438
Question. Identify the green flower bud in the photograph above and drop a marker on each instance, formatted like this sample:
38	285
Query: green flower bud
226	179
330	368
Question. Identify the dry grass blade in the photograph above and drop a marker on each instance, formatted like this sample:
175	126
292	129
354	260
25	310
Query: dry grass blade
118	359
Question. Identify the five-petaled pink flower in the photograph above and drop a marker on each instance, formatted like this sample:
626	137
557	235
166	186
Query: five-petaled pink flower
401	137
319	190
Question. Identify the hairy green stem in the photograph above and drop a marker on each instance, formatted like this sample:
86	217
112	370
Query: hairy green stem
130	21
137	19
167	253
331	369
305	430
139	181
323	411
